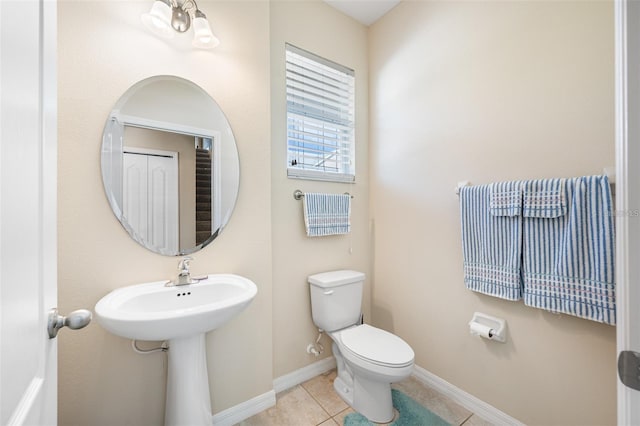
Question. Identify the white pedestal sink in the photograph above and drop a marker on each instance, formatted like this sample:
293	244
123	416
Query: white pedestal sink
182	315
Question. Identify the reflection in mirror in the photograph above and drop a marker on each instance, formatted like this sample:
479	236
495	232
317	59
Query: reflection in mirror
170	165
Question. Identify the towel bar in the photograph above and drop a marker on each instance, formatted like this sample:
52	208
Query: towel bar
461	185
297	194
610	172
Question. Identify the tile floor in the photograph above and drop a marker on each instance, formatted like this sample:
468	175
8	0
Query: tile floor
314	403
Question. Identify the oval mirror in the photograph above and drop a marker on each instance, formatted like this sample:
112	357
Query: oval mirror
170	165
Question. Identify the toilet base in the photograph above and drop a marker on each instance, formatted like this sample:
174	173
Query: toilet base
345	392
371	398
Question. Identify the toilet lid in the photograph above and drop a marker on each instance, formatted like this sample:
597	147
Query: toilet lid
378	346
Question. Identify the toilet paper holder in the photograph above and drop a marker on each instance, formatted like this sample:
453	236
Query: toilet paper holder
489	327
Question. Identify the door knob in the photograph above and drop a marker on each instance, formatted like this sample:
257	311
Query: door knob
75	320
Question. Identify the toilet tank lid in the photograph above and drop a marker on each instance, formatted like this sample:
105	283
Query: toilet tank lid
336	278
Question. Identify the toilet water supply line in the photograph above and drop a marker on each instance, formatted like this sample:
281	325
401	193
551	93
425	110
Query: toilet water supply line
316	348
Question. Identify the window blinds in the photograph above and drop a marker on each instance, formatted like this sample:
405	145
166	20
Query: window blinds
320	117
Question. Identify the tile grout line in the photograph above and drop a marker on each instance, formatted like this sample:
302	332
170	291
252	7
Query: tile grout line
338	413
317	403
467	419
332	417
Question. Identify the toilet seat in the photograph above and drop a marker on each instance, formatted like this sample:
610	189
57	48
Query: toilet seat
377	346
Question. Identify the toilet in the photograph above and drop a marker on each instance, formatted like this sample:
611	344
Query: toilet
368	359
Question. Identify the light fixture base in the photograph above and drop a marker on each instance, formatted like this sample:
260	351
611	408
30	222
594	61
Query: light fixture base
169	16
180	19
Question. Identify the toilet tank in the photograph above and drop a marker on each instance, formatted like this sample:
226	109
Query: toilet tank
336	299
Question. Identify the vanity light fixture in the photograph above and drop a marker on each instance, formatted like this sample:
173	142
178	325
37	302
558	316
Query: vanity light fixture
167	17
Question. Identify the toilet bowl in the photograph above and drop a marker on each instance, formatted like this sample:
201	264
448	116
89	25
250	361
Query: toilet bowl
368	359
372	359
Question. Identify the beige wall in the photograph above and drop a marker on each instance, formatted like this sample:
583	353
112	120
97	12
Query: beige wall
103	50
487	91
306	24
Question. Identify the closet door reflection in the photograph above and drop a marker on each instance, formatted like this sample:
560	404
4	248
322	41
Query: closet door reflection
150	196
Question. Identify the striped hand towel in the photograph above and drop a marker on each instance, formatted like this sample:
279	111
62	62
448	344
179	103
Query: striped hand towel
568	247
545	198
327	214
491	244
506	199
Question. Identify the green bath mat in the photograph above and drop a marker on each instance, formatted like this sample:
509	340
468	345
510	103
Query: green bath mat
411	414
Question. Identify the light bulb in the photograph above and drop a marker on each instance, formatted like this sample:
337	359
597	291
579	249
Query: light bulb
158	19
202	35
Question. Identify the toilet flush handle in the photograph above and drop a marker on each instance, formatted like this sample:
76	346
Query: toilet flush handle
328	292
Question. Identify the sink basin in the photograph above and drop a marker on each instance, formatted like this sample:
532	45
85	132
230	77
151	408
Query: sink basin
153	311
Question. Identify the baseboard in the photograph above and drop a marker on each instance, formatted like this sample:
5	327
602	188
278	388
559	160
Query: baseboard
303	374
468	401
244	410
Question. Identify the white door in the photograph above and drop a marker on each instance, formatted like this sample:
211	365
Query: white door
134	193
627	27
150	197
28	358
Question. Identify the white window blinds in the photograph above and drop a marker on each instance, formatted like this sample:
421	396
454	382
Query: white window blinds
320	117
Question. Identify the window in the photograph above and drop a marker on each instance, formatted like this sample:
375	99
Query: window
320	118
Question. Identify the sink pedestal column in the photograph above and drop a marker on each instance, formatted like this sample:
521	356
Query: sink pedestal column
188	401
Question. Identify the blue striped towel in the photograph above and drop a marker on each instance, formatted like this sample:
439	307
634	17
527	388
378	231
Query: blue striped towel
568	247
491	239
545	198
506	199
327	214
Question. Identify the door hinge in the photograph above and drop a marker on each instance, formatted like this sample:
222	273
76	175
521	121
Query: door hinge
629	369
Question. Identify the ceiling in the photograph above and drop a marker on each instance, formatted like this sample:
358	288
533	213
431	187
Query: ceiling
364	11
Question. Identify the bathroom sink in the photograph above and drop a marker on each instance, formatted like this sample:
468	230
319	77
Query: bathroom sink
153	311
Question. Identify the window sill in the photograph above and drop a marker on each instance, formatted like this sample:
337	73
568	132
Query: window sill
326	177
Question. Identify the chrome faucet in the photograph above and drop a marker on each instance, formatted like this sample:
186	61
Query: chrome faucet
184	276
